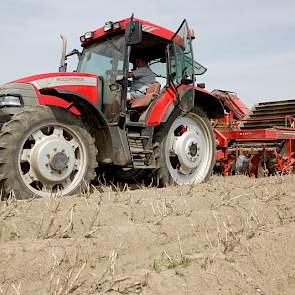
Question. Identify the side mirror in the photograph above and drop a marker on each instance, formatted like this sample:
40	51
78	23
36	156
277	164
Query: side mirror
133	33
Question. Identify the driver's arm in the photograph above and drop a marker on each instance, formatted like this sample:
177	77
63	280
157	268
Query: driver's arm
130	75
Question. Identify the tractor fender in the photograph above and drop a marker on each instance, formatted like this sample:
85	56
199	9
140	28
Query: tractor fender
91	115
208	103
161	109
164	106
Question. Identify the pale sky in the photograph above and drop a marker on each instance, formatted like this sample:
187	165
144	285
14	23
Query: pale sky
247	46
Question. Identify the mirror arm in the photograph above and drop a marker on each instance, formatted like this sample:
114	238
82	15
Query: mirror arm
73	52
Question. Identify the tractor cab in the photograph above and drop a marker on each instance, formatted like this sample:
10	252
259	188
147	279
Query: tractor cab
111	56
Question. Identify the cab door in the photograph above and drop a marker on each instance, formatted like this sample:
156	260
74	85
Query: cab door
181	56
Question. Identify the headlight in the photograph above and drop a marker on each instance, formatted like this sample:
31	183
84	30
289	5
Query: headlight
116	26
10	100
108	26
86	36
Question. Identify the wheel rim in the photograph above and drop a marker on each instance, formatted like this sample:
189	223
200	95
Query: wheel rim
188	150
52	159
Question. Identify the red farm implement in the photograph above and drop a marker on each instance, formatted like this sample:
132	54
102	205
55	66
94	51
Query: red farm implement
256	142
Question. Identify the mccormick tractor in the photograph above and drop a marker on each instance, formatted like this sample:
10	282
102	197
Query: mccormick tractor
58	130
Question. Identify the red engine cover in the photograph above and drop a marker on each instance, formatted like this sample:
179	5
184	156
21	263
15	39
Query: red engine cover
84	84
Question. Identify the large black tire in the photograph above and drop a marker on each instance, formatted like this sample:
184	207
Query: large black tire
162	176
16	133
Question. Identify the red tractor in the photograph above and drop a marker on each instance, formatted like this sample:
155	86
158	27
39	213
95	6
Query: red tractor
58	130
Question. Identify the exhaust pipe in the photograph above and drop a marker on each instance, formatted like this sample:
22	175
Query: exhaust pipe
63	64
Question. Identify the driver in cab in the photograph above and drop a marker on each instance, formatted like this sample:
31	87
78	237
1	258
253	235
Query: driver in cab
142	78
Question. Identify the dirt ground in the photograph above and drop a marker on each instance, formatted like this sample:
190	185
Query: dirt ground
232	235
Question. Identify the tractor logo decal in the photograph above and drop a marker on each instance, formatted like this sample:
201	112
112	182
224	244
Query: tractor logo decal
64	81
148	29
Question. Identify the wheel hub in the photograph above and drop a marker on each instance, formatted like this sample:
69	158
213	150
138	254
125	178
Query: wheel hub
53	159
186	148
59	161
193	149
189	153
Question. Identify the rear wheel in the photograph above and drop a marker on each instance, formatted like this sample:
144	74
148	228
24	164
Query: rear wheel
46	150
184	149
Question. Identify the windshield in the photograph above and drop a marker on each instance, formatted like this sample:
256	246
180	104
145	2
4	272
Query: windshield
104	58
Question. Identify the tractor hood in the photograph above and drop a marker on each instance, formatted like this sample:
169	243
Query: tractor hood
60	79
30	88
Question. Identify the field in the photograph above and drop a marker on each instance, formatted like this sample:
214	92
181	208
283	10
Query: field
233	235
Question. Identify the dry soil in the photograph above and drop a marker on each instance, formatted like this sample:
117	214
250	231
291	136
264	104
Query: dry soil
233	235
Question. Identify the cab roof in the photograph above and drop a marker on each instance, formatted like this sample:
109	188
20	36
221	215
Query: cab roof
147	27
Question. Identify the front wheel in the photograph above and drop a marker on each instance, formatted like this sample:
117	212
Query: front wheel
184	149
45	150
